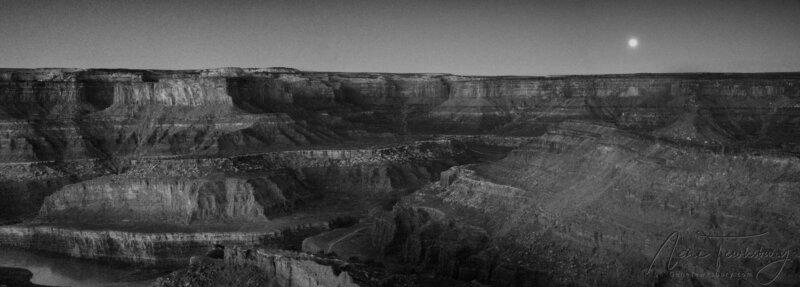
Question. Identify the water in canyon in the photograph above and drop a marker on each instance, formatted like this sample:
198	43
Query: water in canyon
57	270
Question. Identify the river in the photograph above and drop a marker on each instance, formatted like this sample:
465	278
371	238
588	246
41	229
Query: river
58	270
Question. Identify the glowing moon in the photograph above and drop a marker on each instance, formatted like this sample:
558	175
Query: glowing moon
633	42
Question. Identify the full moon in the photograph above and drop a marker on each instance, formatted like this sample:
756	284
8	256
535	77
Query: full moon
633	43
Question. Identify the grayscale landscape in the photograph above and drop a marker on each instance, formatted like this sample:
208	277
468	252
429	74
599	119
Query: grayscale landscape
619	173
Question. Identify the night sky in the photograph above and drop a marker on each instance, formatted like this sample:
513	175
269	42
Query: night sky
460	37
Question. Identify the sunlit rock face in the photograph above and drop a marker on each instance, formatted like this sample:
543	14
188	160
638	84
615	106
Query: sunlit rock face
495	180
291	269
165	200
173	92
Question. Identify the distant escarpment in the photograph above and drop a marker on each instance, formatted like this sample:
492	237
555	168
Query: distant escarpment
61	114
412	179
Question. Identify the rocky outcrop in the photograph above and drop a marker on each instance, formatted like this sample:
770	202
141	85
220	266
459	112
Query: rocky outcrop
435	242
177	200
293	269
207	272
193	91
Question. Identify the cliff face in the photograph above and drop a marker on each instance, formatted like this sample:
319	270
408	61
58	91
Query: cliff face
171	247
503	180
165	200
292	269
54	114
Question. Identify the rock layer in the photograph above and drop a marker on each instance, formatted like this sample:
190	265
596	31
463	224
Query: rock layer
53	113
168	247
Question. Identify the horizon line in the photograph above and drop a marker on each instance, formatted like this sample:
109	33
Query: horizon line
277	68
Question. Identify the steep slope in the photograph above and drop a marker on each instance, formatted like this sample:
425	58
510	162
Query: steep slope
589	204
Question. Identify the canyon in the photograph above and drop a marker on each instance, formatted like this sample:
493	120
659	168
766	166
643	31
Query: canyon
375	179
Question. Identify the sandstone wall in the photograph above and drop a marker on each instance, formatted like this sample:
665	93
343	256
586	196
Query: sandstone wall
135	247
291	269
162	200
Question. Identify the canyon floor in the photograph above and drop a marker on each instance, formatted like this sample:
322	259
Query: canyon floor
281	177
